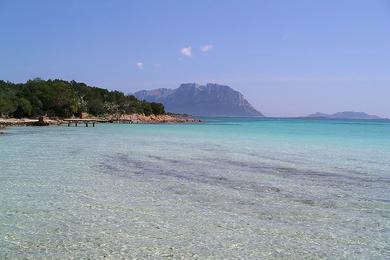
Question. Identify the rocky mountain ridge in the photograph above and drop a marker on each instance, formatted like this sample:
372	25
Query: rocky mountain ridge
202	100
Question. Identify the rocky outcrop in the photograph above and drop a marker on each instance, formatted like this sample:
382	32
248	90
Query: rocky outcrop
42	121
140	118
131	118
203	100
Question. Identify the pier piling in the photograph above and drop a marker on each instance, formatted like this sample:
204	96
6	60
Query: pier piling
87	122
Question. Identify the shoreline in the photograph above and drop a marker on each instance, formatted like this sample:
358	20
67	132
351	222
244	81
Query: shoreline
130	119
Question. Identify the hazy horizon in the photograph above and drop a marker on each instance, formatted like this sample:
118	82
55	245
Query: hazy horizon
288	59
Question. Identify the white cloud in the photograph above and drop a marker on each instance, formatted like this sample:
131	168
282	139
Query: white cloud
186	51
140	65
206	48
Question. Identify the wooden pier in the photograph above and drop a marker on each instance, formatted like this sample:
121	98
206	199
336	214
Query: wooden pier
87	122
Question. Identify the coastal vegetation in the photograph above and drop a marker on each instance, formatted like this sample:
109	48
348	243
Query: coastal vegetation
60	98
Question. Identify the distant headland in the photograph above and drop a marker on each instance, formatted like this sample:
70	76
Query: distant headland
53	101
202	100
345	115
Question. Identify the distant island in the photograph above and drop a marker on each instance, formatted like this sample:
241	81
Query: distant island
202	100
344	115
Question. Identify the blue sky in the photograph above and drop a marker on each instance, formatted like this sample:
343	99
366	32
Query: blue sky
289	58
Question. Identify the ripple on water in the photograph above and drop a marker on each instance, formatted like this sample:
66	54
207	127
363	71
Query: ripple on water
191	192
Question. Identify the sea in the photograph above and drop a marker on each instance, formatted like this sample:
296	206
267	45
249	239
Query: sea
225	188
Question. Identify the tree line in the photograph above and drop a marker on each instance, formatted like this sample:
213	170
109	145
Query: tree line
60	98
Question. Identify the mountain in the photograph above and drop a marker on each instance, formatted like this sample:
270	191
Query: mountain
344	115
204	100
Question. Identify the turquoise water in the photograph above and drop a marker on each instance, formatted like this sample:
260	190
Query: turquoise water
225	188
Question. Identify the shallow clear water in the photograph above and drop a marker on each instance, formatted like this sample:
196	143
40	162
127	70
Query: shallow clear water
226	188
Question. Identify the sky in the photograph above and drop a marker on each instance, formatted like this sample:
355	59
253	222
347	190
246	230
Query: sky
288	58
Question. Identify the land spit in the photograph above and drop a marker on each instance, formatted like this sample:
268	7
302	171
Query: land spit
132	118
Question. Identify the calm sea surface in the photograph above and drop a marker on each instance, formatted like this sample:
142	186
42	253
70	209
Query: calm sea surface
225	188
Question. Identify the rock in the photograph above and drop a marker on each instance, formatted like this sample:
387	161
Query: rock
141	118
84	115
42	121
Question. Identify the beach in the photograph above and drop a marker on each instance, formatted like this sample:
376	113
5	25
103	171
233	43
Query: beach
131	118
226	188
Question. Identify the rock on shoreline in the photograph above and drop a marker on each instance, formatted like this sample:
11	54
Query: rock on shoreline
42	121
134	118
140	118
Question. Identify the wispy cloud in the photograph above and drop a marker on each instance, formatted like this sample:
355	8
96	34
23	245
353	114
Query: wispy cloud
140	65
186	51
207	47
157	65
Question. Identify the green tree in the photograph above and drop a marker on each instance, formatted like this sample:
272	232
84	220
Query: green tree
62	98
23	108
147	108
7	107
96	107
157	108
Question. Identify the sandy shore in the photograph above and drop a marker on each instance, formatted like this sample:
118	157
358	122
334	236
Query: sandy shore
4	122
133	118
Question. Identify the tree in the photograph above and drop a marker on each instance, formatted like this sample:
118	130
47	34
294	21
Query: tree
7	107
23	108
157	108
147	108
63	99
96	107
